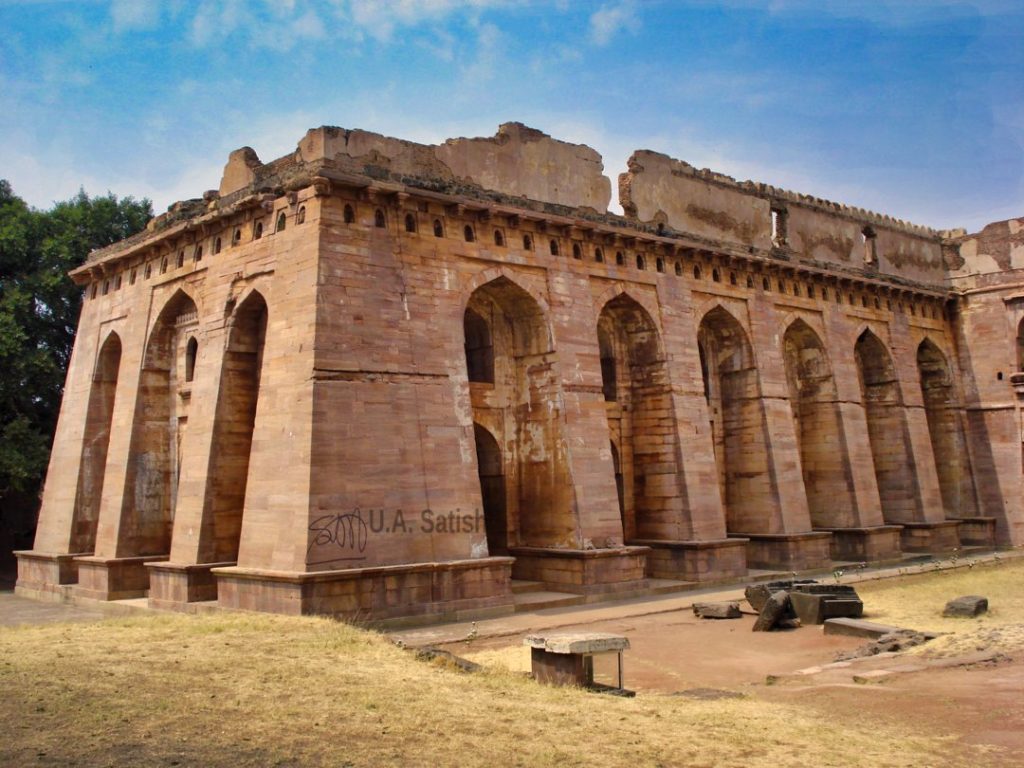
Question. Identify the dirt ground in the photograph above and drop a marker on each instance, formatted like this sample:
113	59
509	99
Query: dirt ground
969	683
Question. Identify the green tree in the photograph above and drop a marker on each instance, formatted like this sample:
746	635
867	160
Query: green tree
39	306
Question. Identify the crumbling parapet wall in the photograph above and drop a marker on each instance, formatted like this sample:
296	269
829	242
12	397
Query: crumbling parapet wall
985	255
673	194
517	161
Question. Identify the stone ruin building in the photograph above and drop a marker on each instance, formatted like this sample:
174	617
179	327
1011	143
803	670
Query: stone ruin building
382	379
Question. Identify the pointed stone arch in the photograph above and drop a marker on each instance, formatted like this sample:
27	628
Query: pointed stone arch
95	441
887	430
641	420
818	422
945	428
161	416
233	427
733	394
523	409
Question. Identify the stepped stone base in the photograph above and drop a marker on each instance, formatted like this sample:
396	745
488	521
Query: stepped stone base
930	537
869	545
113	578
429	592
977	531
172	585
789	551
711	560
582	571
46	572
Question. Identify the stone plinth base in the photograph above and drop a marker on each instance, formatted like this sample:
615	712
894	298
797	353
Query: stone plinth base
870	545
977	531
113	578
173	585
430	592
695	560
930	537
46	572
583	571
789	551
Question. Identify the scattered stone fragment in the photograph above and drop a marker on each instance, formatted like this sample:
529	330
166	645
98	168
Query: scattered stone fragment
776	609
757	594
967	606
730	610
814	603
891	642
447	658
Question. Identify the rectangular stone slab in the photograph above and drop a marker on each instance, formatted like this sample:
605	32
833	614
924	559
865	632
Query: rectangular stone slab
858	628
578	642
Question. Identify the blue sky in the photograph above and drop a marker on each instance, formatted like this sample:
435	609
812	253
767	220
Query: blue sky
912	108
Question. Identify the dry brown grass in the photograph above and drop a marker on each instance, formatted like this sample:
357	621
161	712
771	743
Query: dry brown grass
248	690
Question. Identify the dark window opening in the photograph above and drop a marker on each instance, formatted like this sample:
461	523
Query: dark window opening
620	259
527	243
181	259
300	217
216	246
659	264
599	256
679	269
257	231
696	272
499	239
282	222
410	223
349	215
378	219
198	255
131	277
554	247
716	275
779	227
577	252
641	263
479	348
191	349
438	228
469	234
237	237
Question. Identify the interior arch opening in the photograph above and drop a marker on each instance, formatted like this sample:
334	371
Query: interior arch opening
491	470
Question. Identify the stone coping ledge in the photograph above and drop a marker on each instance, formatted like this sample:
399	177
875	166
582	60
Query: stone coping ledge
31	554
732	541
579	553
862	528
136	559
295	577
800	536
577	642
937	524
186	567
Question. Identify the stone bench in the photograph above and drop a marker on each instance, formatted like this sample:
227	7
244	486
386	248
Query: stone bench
568	658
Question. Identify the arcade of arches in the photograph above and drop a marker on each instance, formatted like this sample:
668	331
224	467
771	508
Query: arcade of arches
411	397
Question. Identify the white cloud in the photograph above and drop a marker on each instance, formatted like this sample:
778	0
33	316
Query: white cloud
610	19
129	15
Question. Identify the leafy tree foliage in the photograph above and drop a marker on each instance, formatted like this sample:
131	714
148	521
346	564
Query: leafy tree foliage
39	308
